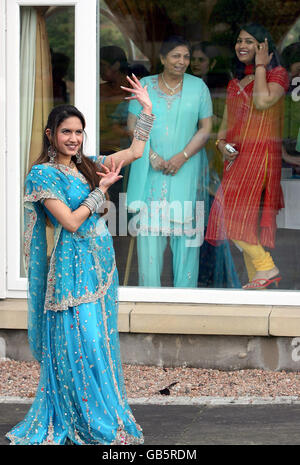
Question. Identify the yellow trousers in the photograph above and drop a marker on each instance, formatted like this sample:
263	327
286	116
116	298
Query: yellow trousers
255	257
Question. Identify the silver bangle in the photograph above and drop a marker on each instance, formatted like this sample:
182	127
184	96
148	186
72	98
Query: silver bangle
143	126
153	156
94	200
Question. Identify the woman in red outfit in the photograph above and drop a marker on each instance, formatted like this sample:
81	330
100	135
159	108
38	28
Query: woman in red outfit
250	195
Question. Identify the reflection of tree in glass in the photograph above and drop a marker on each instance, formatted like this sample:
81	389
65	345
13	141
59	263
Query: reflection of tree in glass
227	15
60	29
110	34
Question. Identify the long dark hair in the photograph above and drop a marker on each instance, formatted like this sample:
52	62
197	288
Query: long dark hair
59	114
259	32
111	54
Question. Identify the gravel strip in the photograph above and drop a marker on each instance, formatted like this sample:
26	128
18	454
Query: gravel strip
20	380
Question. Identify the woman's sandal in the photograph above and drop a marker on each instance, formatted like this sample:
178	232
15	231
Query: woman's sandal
262	283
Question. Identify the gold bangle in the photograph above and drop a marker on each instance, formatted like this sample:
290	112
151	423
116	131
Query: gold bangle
185	155
218	141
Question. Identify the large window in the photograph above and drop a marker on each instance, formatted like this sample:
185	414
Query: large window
181	236
235	211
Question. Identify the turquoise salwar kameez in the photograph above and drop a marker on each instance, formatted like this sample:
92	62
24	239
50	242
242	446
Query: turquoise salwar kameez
166	205
72	323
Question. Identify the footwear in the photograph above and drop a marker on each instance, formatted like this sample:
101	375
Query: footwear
263	283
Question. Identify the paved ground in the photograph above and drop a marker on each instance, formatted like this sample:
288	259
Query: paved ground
192	425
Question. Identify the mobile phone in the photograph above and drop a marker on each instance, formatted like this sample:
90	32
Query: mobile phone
230	149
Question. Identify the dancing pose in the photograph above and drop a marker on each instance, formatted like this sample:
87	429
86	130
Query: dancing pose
73	303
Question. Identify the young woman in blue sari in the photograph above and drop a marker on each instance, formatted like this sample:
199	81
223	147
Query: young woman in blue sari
73	301
172	175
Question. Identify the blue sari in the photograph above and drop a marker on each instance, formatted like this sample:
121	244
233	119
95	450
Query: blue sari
72	323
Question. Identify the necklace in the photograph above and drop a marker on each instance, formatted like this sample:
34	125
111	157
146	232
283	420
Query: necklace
171	89
71	165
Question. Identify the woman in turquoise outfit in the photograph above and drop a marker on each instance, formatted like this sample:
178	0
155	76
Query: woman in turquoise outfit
172	175
73	301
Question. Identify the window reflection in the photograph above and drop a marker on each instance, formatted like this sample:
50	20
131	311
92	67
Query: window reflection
46	77
271	217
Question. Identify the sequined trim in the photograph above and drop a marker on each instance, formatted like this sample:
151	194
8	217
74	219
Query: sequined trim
107	338
122	438
169	99
71	301
35	196
68	171
28	236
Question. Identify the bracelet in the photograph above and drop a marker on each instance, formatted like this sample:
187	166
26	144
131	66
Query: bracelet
185	155
218	141
260	64
153	156
94	200
143	126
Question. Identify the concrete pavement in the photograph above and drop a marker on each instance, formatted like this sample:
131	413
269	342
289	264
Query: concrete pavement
211	423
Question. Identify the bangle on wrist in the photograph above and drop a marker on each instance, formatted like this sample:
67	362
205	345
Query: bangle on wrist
185	155
94	200
143	126
153	156
260	64
218	141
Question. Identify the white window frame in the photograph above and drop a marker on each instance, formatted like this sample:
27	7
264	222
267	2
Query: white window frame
2	150
86	77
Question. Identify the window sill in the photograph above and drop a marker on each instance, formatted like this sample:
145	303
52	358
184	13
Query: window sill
163	318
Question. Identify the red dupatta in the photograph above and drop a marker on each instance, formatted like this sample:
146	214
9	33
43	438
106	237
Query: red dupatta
250	195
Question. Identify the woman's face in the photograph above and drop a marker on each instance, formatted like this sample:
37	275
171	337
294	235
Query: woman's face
69	137
245	47
108	71
176	61
199	63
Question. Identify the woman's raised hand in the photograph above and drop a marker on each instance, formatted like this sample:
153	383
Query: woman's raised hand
110	176
262	56
140	93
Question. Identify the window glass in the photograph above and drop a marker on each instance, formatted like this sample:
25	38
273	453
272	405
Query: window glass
46	78
224	218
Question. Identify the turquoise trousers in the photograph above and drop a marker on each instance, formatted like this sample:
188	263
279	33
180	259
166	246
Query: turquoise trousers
150	259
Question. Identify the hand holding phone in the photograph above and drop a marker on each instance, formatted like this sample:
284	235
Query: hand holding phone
230	148
232	155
